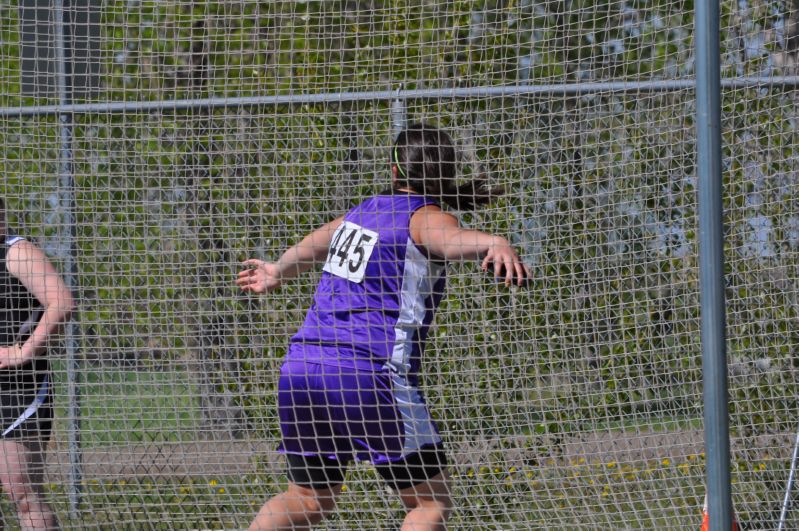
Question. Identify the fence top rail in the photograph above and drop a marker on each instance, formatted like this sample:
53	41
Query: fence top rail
566	89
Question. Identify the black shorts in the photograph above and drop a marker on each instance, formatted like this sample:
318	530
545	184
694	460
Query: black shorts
320	473
26	404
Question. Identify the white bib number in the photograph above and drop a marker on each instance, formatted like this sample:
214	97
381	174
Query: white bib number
350	250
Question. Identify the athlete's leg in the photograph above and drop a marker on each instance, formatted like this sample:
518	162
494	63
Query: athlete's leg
429	504
314	484
298	508
422	481
315	479
21	474
420	477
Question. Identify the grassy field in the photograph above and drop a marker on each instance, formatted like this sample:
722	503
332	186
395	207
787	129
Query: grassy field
124	408
120	407
657	494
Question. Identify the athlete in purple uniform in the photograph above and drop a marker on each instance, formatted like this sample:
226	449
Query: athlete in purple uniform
349	384
34	303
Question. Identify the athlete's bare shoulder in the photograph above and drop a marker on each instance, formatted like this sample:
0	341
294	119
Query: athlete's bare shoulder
430	224
432	217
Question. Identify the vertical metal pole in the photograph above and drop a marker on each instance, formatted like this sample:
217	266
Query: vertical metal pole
67	204
399	115
711	264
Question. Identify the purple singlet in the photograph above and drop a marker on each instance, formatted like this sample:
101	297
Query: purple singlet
349	382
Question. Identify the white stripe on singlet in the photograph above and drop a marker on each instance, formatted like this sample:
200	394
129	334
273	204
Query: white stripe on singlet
419	275
41	396
419	429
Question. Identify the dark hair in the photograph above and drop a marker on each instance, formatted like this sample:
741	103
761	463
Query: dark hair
426	163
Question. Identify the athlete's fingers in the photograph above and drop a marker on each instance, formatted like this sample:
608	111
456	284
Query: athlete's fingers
510	270
487	260
520	275
11	357
496	268
246	285
248	282
503	269
245	275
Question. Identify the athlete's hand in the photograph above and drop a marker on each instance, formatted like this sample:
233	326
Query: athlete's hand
504	260
11	356
259	276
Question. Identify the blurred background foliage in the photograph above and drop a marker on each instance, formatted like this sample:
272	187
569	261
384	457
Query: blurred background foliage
601	202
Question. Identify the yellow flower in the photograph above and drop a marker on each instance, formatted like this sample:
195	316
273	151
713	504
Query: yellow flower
213	483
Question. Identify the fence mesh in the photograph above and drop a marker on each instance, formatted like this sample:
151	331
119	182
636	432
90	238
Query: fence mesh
573	403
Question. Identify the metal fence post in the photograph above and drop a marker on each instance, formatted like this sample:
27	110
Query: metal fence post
68	229
711	264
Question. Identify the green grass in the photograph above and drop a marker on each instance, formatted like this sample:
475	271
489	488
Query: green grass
663	423
119	407
646	495
658	494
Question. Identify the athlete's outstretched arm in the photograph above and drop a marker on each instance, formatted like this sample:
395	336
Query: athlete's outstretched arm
261	276
441	235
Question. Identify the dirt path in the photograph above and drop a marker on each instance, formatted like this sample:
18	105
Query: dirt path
236	457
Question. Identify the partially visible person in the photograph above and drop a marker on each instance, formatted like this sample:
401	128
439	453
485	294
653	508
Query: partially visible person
34	304
349	386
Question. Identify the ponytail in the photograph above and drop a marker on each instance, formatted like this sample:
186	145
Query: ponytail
471	194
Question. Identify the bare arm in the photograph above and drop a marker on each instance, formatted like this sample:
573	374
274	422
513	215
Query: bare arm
260	276
31	266
441	235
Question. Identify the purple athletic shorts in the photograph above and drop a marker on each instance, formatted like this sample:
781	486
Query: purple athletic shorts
341	413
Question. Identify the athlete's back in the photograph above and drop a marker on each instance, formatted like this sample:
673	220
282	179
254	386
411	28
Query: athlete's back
378	291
